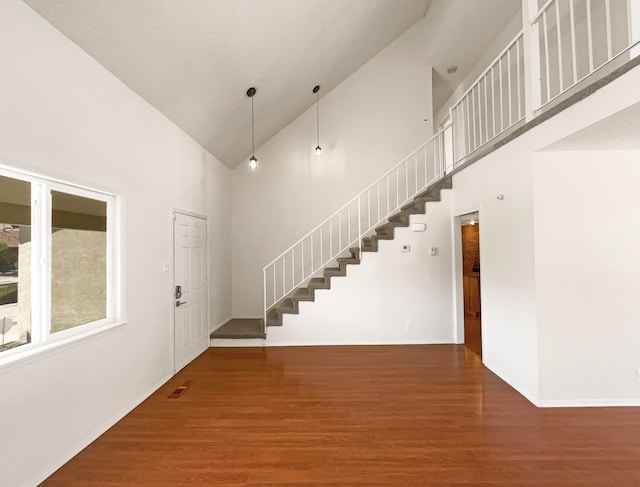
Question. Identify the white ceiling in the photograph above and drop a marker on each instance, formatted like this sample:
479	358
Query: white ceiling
194	59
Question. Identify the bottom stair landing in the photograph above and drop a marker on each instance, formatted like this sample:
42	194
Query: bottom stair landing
240	328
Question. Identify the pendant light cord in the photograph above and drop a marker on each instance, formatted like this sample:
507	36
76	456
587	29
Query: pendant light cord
253	144
317	121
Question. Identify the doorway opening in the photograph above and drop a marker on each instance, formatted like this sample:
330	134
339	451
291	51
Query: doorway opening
472	310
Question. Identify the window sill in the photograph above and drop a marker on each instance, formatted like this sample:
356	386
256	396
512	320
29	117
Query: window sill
39	351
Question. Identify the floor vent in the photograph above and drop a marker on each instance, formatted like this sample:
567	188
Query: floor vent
180	390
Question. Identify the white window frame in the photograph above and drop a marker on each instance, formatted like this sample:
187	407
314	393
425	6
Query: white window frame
42	340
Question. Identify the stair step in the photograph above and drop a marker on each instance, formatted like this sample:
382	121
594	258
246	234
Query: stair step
319	283
386	231
335	272
240	329
304	294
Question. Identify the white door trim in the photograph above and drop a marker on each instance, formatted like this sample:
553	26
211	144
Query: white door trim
458	291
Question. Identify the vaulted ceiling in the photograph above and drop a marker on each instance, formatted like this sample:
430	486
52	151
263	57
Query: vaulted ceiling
194	59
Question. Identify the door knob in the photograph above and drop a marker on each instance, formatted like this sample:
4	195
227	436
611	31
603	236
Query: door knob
179	303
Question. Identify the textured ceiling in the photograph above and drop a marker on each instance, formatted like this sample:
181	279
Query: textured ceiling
194	59
620	131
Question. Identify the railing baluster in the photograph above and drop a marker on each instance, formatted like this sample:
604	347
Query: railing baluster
359	223
493	101
473	118
293	268
509	93
397	188
349	225
559	35
607	4
274	285
406	181
574	56
589	35
321	246
425	164
302	260
330	240
415	161
468	127
369	210
629	24
518	81
501	96
486	109
546	54
340	231
388	196
378	188
313	267
284	278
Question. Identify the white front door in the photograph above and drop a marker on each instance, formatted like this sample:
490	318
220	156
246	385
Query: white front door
191	333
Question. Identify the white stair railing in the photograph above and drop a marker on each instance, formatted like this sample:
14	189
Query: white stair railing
493	104
347	227
576	38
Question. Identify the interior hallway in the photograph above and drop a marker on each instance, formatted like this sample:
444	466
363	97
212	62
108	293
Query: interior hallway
346	416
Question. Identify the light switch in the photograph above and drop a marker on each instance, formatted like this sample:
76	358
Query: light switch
433	251
406	249
166	266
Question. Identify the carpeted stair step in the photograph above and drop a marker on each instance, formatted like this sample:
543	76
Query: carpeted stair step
240	329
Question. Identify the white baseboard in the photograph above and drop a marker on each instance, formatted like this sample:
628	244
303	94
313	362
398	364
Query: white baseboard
588	403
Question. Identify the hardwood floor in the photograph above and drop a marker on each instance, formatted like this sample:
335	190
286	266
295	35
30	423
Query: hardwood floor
473	334
355	416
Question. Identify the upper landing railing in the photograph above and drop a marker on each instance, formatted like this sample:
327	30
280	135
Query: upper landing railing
568	41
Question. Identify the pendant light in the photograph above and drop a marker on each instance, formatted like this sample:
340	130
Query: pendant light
253	162
316	89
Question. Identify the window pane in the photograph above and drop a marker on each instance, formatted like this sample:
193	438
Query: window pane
78	260
15	263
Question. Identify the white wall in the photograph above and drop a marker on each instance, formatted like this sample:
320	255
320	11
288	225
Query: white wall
63	115
367	125
507	280
372	304
586	259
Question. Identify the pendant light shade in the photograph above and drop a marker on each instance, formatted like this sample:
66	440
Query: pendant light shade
316	89
253	162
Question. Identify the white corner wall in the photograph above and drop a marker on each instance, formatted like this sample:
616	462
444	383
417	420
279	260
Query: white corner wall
63	115
389	289
367	125
587	238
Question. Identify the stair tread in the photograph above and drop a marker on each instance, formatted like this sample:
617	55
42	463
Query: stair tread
240	328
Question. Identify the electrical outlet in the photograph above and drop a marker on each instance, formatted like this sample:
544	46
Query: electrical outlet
408	326
406	249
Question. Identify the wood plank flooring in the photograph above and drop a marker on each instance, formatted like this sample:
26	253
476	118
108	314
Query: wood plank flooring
355	416
473	334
